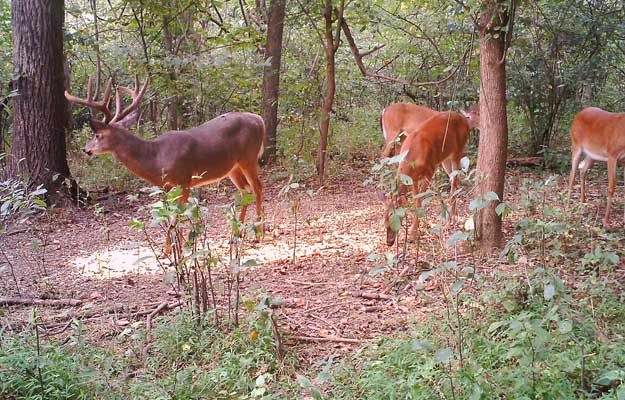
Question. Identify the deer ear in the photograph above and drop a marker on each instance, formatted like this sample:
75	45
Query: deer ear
129	120
97	125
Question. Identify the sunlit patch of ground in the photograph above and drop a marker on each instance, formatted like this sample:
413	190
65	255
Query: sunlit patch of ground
136	258
131	258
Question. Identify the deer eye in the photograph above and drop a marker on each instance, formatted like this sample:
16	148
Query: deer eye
97	136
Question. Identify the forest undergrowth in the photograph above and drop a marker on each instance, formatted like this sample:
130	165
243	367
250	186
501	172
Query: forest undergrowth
543	319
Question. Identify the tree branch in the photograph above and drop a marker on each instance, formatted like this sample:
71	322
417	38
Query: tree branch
363	69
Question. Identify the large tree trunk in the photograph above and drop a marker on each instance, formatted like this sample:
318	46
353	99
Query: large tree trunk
271	76
491	163
40	110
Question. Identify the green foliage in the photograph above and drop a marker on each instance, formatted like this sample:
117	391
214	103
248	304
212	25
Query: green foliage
539	347
186	361
18	202
32	370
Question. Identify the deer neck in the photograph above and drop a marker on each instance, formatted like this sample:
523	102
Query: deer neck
139	156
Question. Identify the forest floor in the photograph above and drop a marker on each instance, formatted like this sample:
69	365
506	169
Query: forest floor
93	255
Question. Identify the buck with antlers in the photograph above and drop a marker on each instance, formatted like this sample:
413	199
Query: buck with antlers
440	139
229	145
600	135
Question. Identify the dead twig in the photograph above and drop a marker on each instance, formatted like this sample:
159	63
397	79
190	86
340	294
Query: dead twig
12	301
373	308
334	339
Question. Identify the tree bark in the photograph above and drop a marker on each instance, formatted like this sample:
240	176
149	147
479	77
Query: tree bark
40	110
491	163
271	76
172	104
332	41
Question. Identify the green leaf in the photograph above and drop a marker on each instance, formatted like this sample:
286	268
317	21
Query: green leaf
549	291
465	163
395	221
422	345
136	224
303	381
443	355
565	326
455	238
406	180
500	209
457	287
491	196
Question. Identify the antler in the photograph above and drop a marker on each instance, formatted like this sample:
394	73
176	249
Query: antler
102	106
136	94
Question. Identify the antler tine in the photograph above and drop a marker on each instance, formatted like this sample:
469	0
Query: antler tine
136	83
90	89
118	106
90	102
137	96
106	99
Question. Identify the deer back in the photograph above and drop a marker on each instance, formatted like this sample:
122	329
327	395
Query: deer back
600	133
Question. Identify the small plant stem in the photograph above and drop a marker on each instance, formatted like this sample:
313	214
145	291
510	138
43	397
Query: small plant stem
295	209
11	267
38	343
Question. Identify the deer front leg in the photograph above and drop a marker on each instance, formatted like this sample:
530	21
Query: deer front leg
611	186
588	163
576	156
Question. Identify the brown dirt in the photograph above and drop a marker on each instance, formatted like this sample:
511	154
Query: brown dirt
91	255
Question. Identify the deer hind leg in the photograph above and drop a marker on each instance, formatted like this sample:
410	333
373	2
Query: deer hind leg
252	177
238	178
587	164
576	157
611	186
420	185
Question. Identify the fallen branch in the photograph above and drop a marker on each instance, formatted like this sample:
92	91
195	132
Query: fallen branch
373	308
372	295
11	301
334	339
286	303
115	308
148	323
152	314
525	162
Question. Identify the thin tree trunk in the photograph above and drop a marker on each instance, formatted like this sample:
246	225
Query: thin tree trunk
271	76
172	104
332	42
40	110
491	164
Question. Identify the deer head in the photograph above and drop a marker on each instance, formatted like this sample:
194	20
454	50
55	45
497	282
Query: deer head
112	125
473	116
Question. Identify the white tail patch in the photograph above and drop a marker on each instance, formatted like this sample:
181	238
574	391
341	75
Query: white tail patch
262	150
582	164
384	126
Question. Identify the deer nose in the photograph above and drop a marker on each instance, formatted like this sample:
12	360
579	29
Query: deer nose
89	152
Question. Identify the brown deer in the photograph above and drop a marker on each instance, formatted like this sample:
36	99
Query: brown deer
228	145
440	139
398	118
600	135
